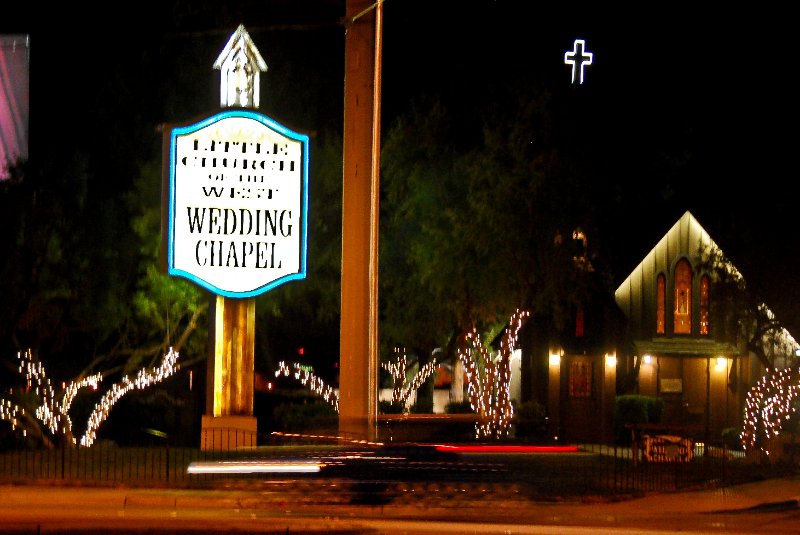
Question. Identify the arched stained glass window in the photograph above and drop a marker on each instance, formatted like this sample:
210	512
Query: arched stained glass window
683	297
661	294
704	304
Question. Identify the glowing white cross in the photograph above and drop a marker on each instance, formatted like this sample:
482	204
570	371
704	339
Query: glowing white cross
578	58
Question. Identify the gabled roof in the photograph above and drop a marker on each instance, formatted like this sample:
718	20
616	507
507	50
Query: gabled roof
240	40
686	237
636	294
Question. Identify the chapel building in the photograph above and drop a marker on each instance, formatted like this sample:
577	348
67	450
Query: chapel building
666	334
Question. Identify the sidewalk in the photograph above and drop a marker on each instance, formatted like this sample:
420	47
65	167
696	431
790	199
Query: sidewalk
766	507
758	507
769	506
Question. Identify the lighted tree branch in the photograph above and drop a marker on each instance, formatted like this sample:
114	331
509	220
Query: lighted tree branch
489	378
143	379
23	422
11	413
769	405
402	388
308	379
53	413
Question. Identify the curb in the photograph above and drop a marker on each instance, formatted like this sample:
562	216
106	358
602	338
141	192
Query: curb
766	507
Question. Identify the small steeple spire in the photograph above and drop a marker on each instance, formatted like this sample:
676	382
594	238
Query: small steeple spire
240	66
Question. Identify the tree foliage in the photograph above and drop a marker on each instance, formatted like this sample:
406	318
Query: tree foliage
42	268
165	311
306	313
477	220
740	314
420	196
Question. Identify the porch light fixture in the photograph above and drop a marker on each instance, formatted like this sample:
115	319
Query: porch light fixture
648	359
611	359
722	363
555	359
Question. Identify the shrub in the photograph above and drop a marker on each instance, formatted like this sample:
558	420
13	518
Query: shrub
388	407
655	409
297	417
635	409
458	407
417	408
530	420
732	438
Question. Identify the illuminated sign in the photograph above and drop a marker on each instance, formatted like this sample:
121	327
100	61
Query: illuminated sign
578	58
237	203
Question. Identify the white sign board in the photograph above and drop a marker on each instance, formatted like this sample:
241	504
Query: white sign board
237	203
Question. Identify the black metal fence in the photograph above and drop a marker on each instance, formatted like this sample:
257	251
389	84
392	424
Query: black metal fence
159	465
623	470
592	470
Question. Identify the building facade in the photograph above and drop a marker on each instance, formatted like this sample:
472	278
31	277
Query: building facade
678	346
662	337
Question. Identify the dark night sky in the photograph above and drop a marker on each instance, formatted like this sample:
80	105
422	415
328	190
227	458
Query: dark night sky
661	75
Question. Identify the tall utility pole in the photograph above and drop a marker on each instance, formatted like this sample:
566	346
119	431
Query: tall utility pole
358	359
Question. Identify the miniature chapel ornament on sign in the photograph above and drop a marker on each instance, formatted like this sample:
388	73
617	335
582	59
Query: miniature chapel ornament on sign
578	58
239	64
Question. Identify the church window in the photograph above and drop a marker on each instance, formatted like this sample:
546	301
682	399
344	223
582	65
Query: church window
683	298
704	298
661	293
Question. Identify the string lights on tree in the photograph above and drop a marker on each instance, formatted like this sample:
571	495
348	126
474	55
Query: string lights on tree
53	413
489	378
402	389
143	379
11	412
770	404
53	410
308	379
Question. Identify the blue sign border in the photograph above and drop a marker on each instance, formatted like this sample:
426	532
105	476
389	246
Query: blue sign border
277	127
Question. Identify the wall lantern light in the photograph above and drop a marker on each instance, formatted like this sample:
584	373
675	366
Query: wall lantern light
611	359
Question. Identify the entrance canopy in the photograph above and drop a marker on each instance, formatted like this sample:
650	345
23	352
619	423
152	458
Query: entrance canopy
690	347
